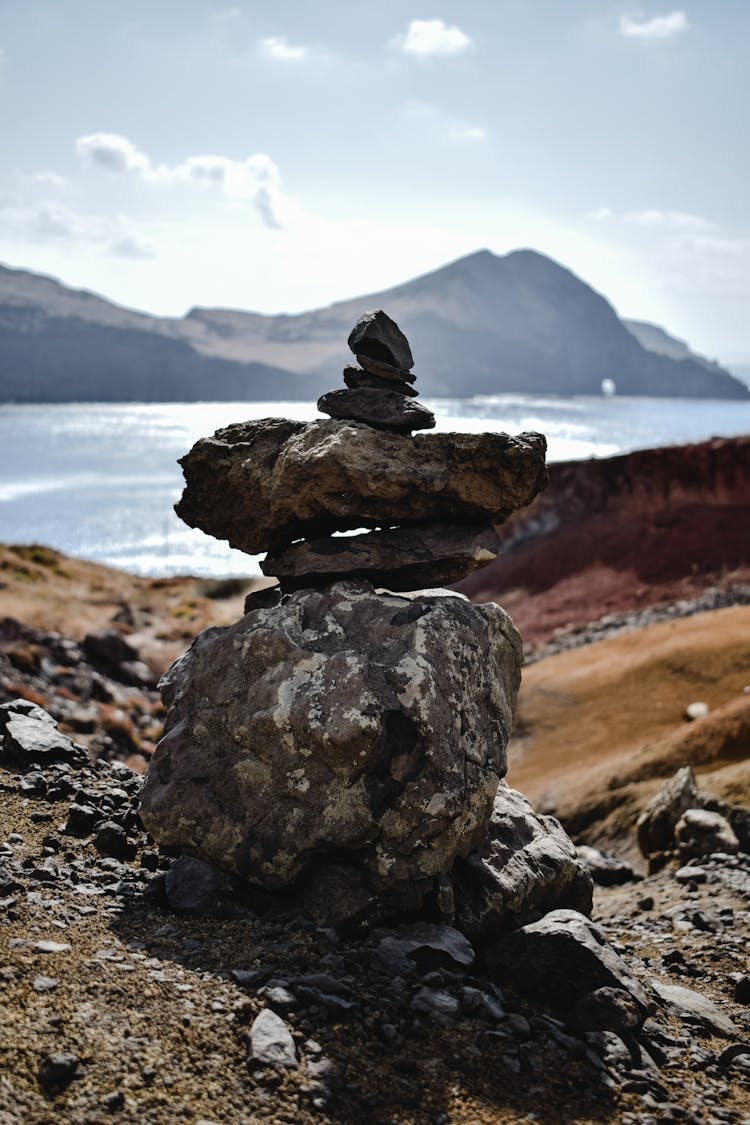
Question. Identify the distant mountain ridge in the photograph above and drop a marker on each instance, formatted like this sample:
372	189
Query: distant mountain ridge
484	324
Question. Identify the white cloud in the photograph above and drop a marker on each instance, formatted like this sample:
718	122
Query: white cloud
460	131
430	39
277	47
443	125
681	221
256	179
48	180
113	152
636	25
50	223
132	246
672	220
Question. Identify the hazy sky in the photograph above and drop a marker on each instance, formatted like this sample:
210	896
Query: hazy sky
278	156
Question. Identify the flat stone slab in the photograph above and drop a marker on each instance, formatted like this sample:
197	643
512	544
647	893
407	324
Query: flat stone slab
385	370
262	484
358	377
386	410
400	558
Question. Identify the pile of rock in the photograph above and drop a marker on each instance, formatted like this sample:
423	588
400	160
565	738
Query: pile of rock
686	823
430	501
341	744
380	391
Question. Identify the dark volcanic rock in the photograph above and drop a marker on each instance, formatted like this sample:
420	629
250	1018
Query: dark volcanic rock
348	738
385	370
196	887
108	647
58	1070
701	832
683	817
401	558
607	1009
26	708
386	410
264	483
526	866
30	737
377	336
605	870
657	822
424	946
356	377
563	957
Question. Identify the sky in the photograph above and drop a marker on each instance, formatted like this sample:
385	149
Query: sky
280	156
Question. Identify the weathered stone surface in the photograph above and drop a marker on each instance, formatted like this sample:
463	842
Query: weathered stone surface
605	870
271	1042
425	945
196	887
385	410
525	867
607	1009
29	736
385	370
401	558
564	956
341	731
379	337
356	377
701	832
656	823
23	707
697	1009
262	484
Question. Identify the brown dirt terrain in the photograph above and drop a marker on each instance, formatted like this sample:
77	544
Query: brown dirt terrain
597	727
58	593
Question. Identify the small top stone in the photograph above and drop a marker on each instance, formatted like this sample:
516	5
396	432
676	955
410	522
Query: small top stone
377	336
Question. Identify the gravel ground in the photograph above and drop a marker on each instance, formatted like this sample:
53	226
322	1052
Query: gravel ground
613	624
115	1009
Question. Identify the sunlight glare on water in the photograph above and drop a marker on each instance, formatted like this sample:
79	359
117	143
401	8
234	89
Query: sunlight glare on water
100	480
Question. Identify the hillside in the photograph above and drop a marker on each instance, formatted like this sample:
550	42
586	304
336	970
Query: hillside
482	325
617	534
654	339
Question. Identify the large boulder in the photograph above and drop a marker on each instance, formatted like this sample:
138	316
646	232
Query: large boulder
344	739
262	484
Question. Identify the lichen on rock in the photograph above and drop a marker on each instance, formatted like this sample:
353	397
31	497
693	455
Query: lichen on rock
348	727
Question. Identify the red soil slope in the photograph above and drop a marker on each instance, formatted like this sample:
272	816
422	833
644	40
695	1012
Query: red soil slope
623	533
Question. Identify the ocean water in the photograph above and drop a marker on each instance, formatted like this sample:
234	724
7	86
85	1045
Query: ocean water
99	481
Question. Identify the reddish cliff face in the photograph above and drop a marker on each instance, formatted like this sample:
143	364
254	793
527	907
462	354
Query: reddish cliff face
623	533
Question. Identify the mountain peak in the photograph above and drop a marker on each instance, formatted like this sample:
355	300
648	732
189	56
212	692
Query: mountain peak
484	324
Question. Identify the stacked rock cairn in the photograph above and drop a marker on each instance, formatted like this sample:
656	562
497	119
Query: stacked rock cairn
341	747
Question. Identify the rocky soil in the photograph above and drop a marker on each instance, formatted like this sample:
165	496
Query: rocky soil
116	1007
141	1010
89	643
